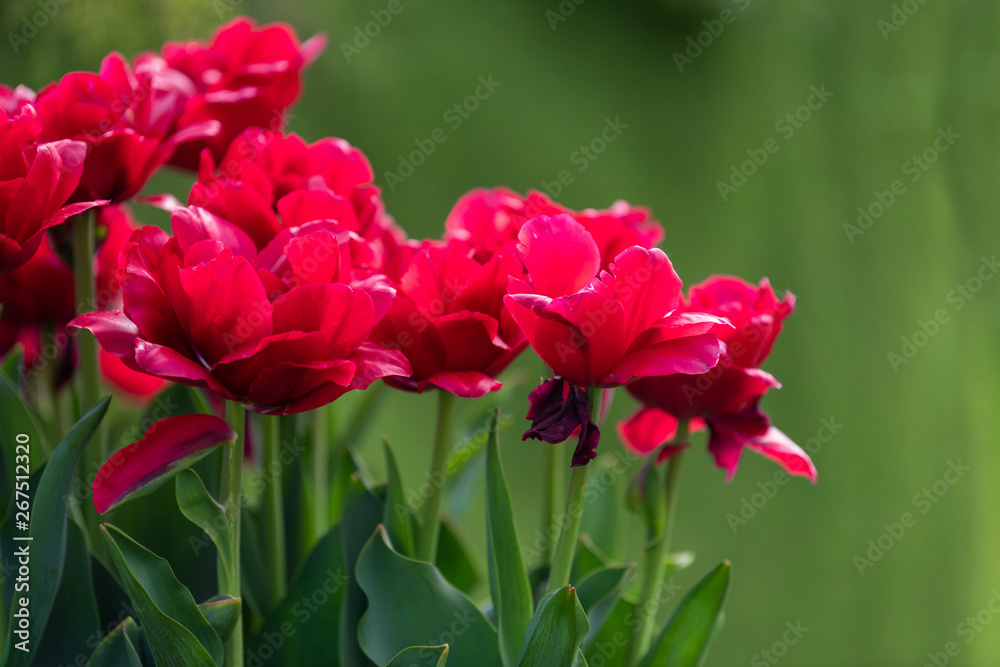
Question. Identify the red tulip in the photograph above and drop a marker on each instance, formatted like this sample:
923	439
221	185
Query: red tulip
13	100
490	220
282	331
602	328
268	182
244	77
36	179
727	397
126	117
449	320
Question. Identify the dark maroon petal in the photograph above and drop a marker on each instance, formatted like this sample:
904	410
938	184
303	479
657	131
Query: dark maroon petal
557	409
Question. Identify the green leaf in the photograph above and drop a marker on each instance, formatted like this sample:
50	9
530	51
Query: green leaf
509	586
410	604
396	515
48	532
599	593
118	649
362	513
201	509
18	419
588	558
609	647
177	632
308	618
221	612
454	558
11	368
556	631
421	656
684	641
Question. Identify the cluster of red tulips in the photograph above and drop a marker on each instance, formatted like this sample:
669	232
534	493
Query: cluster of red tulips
284	284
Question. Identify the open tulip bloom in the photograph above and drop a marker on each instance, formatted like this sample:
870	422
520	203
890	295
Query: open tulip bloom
282	286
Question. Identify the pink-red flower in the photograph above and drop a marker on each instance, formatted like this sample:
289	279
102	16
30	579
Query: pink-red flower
127	118
599	328
450	321
244	77
490	220
36	180
727	397
281	330
268	182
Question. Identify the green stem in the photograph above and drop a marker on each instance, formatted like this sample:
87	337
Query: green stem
232	481
562	559
83	278
431	528
274	517
656	552
555	480
322	430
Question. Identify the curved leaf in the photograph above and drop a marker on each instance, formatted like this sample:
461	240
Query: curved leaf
421	656
117	648
201	509
684	641
396	514
221	612
599	593
177	632
556	631
18	419
454	557
362	511
410	604
168	446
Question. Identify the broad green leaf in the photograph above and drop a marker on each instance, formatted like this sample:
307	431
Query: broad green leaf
308	619
48	532
396	514
202	510
684	641
74	620
221	612
509	586
410	604
117	648
454	558
177	632
588	558
362	513
609	647
18	421
11	367
556	630
421	656
599	593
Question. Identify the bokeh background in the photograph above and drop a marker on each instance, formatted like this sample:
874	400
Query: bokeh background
893	90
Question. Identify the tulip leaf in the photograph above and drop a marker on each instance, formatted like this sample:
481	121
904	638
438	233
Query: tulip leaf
454	559
509	586
221	612
684	641
421	656
18	420
556	631
599	594
48	532
609	646
117	649
396	514
177	631
308	618
362	513
588	558
202	510
167	447
11	367
411	604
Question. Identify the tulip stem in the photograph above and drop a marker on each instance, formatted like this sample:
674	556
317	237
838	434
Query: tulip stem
323	423
431	528
86	344
555	480
232	480
562	559
656	551
274	517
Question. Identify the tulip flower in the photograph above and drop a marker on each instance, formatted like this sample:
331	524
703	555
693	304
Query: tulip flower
280	331
602	328
127	119
36	180
243	77
490	220
727	398
450	321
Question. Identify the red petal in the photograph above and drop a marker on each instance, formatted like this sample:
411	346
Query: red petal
646	429
645	283
465	384
778	447
560	255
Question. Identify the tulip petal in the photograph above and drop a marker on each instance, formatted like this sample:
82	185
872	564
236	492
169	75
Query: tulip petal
645	283
170	364
465	384
192	224
778	447
646	429
560	255
114	331
168	446
690	356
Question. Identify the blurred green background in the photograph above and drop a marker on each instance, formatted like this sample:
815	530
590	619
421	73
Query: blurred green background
892	92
